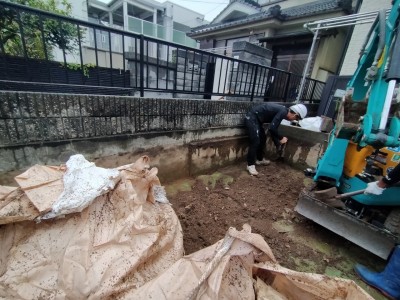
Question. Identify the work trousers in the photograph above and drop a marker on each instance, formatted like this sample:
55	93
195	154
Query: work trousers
257	139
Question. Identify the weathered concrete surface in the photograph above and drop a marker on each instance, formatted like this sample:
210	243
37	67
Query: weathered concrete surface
177	154
171	152
304	147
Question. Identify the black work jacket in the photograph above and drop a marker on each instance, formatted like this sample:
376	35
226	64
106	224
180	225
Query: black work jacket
273	114
393	176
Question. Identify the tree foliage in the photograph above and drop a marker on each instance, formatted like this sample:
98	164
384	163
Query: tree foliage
37	35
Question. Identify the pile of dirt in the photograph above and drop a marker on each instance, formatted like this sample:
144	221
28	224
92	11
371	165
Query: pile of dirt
209	204
230	197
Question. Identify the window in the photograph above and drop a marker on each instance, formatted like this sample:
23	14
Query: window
291	58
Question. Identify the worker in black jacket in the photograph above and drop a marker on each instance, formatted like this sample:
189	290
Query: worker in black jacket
377	187
267	113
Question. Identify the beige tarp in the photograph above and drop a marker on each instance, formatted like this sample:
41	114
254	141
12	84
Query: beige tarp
126	244
247	270
121	241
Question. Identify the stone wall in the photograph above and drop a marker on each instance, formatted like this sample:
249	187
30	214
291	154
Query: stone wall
37	118
181	137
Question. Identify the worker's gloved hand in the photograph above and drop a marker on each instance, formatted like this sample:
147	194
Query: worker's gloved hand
283	140
373	188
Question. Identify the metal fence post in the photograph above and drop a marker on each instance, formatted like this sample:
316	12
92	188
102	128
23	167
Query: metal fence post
141	65
209	80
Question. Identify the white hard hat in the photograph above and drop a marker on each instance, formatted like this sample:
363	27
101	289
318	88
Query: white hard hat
300	110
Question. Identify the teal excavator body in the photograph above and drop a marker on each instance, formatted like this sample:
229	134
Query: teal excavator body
364	146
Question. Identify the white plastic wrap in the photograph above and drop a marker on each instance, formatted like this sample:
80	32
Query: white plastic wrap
83	182
312	123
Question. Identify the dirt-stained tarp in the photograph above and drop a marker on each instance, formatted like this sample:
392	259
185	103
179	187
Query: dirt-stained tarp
127	243
121	241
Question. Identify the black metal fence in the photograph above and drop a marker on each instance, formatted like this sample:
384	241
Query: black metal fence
41	51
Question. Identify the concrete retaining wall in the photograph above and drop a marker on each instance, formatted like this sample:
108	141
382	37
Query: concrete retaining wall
177	154
181	137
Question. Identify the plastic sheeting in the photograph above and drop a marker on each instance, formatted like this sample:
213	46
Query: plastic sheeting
312	123
128	245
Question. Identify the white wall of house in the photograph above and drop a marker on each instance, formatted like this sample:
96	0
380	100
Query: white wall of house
79	9
359	35
185	16
323	65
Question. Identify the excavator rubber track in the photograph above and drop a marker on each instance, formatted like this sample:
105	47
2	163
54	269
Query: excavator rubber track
370	237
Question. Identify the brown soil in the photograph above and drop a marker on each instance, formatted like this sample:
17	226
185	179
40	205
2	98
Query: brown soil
231	198
206	212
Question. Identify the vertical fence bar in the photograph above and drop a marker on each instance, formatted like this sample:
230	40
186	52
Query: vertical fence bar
21	30
245	81
241	69
80	54
96	55
184	71
123	58
158	65
176	69
64	55
209	80
254	84
226	76
44	45
111	64
167	69
219	77
200	71
236	77
141	46
137	62
194	57
147	63
265	82
287	86
3	51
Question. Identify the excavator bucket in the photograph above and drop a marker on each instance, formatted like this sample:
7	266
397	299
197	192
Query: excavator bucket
374	239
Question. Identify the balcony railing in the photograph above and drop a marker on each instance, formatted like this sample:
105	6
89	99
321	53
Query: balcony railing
158	31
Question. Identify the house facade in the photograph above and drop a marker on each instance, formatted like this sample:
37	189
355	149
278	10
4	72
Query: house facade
279	26
166	21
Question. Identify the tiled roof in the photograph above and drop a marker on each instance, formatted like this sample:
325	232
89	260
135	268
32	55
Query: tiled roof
246	2
311	8
294	12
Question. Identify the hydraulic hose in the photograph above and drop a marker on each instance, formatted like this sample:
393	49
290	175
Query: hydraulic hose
382	30
367	39
394	65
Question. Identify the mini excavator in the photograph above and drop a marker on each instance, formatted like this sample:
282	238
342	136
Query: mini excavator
363	146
